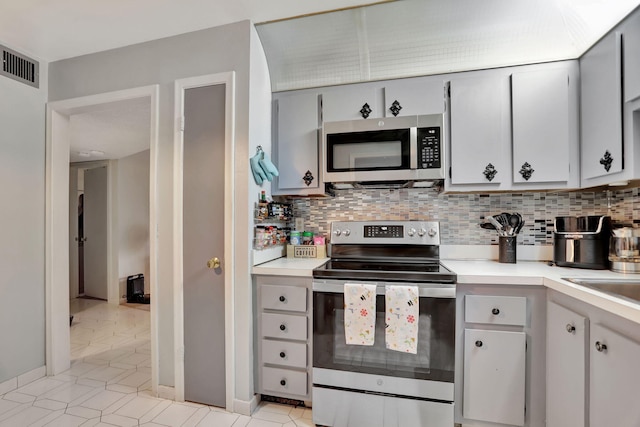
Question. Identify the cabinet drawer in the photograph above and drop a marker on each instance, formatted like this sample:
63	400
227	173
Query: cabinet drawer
293	354
285	326
290	298
284	381
497	310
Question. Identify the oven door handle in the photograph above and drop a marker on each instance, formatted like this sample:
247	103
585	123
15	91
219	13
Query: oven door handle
431	290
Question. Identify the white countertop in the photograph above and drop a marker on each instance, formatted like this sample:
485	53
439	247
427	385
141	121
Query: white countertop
488	272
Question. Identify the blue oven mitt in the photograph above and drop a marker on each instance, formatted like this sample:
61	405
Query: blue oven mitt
267	167
258	173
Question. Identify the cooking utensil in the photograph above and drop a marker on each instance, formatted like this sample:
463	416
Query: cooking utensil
520	223
496	224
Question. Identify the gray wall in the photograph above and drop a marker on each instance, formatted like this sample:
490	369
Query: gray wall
214	50
133	217
22	192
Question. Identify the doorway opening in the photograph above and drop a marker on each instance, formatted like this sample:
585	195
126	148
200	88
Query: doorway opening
61	131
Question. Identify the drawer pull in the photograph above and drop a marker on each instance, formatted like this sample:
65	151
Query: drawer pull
283	327
283	354
495	311
283	383
478	343
282	298
570	328
600	347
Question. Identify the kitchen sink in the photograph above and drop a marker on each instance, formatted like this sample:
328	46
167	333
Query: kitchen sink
623	288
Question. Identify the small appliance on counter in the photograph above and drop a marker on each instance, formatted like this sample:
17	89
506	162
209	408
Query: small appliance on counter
624	250
582	241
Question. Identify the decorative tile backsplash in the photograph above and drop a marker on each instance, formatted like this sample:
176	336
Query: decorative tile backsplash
460	214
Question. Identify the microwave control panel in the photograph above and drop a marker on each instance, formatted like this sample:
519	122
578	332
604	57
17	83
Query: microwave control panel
429	148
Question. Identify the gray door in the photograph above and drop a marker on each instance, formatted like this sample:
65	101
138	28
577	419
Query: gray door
203	228
95	232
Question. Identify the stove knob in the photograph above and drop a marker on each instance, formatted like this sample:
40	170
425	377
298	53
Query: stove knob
347	232
422	232
411	232
432	232
337	232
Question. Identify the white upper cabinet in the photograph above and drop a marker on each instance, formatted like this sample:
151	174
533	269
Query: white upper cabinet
601	111
632	58
545	126
408	97
296	143
351	102
480	133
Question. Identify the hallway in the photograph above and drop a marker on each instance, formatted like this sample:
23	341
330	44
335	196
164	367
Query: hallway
109	382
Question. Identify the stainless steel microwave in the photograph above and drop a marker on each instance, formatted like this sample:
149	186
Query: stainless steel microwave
391	149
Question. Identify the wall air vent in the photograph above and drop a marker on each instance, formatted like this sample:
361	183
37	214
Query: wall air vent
19	67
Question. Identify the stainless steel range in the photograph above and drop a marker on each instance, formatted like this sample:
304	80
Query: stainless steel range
374	384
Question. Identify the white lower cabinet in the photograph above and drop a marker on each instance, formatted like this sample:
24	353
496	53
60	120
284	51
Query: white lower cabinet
592	366
494	376
567	334
614	379
283	336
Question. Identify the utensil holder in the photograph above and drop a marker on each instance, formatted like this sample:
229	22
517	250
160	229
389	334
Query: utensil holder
507	249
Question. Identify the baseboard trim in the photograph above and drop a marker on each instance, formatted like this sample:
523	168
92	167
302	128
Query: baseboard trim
166	392
22	380
244	407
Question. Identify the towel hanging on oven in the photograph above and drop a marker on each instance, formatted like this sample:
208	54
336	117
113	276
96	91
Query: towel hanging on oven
359	313
402	315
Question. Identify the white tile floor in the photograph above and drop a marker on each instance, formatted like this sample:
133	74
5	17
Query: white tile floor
109	383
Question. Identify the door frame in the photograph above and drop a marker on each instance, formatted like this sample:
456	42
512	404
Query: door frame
57	145
227	79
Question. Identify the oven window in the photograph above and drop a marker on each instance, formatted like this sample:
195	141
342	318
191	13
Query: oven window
433	361
362	151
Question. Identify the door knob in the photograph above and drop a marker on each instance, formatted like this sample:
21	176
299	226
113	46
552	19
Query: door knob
213	263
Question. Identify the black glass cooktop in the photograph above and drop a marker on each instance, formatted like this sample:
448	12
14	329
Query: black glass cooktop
387	271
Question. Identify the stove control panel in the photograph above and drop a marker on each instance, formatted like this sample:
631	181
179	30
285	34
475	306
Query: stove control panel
381	232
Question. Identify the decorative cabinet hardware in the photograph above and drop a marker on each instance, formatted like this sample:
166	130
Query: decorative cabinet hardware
490	172
283	327
495	311
283	354
395	108
570	328
308	178
606	160
601	347
526	171
365	111
478	343
283	383
282	298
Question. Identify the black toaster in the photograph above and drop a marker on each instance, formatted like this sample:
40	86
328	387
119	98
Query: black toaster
582	241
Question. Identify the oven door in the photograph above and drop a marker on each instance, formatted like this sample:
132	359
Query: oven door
434	360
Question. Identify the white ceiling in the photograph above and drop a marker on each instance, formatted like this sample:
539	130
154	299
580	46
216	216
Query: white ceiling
52	30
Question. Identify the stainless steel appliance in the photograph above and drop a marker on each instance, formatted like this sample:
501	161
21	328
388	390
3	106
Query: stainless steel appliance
582	241
371	385
391	149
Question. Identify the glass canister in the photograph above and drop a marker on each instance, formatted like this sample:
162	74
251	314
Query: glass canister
624	250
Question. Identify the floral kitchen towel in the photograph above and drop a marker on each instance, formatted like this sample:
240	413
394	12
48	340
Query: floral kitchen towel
359	313
402	313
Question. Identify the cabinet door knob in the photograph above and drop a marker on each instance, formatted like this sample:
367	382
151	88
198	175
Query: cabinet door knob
283	382
308	178
395	108
283	354
600	347
495	311
478	343
282	298
490	172
283	327
570	328
606	160
526	171
365	111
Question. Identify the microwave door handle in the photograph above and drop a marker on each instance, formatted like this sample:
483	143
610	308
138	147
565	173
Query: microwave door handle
413	148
